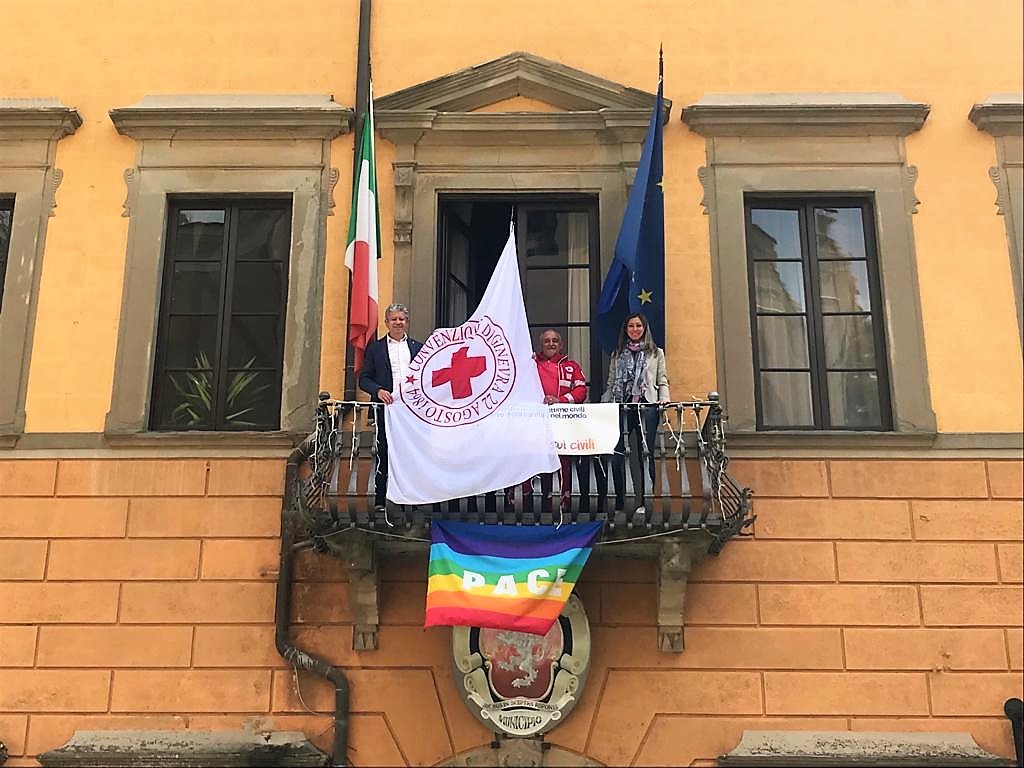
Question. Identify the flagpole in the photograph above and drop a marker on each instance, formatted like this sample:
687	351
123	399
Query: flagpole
361	104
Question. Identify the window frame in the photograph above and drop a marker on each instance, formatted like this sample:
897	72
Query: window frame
29	132
805	204
231	205
215	146
849	144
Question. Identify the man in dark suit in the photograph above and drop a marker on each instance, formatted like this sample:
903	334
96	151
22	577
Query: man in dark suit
384	364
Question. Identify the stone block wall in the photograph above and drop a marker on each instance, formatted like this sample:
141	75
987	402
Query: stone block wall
876	595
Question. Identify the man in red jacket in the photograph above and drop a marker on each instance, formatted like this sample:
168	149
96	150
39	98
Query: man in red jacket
563	382
561	377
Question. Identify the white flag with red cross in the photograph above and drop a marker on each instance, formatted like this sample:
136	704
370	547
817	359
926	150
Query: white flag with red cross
469	417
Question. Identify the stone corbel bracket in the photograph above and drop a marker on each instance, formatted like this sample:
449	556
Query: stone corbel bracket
676	559
364	589
1002	116
333	174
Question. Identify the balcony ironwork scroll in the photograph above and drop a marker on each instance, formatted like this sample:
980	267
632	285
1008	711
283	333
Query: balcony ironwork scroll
691	490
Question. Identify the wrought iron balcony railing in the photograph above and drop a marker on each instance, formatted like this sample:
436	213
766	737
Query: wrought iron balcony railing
691	489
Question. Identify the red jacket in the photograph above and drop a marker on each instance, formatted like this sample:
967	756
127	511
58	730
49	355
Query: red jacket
570	386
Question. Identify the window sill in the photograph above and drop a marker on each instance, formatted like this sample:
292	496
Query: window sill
795	438
823	444
204	439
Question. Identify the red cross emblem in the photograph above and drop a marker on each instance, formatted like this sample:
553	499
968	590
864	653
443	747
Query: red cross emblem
460	373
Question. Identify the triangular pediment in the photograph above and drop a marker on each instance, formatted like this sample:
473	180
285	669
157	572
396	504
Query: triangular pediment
519	104
517	75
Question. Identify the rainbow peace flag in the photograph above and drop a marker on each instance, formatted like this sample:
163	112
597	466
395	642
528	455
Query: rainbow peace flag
504	577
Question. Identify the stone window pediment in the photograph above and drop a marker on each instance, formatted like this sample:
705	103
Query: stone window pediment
588	98
518	124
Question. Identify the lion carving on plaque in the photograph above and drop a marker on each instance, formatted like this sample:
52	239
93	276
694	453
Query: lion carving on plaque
522	684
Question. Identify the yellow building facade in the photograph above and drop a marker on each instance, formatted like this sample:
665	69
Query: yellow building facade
881	590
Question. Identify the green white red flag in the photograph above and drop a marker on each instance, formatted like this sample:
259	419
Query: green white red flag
363	249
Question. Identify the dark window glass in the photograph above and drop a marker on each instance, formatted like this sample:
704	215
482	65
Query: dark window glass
220	343
557	245
815	303
6	218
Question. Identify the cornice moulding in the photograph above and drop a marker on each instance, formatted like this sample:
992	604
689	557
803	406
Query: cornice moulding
37	119
233	116
511	123
999	115
810	114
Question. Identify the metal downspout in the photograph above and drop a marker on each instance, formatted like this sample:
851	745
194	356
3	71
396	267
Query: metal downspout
362	102
295	656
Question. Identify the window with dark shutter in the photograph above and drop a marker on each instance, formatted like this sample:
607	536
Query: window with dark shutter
220	340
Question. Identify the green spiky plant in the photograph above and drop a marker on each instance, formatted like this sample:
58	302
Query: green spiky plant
196	392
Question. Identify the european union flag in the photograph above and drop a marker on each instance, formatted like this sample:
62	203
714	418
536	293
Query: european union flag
636	279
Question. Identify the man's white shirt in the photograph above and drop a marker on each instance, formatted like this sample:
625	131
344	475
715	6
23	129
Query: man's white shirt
398	355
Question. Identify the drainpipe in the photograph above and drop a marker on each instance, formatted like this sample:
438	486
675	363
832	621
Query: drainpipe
362	101
1014	709
295	656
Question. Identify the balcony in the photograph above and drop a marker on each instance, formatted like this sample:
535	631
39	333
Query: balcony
692	508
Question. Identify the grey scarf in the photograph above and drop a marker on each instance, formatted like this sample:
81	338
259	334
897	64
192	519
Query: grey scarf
630	375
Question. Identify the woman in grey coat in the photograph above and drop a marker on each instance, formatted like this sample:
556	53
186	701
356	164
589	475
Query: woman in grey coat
636	374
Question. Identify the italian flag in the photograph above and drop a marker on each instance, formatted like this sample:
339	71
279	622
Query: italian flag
363	245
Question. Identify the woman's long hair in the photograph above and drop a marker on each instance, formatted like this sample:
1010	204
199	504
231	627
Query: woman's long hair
646	341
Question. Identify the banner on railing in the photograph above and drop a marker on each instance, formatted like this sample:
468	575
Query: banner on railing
586	429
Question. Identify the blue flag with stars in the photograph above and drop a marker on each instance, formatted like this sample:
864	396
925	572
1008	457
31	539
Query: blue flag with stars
636	279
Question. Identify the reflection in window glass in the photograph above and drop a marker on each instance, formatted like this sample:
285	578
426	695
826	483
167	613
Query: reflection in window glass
839	233
844	286
780	287
774	234
199	234
849	341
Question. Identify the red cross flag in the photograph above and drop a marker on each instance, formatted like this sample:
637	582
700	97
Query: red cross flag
470	415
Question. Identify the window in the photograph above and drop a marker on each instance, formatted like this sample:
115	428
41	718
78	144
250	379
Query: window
6	217
29	132
819	356
558	260
809	355
220	341
199	147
